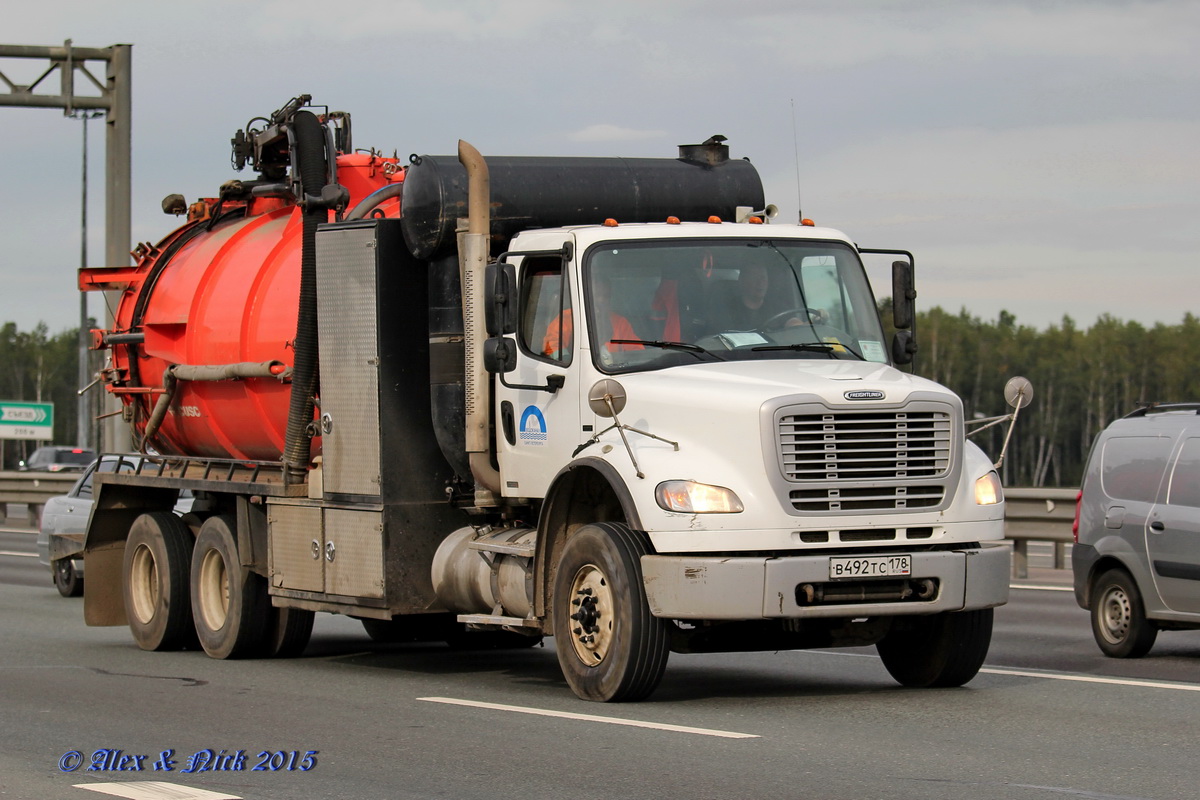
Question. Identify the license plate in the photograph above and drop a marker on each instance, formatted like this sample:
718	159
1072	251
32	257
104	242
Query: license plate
870	566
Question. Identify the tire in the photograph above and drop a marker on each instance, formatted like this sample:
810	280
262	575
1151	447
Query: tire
1119	622
229	602
67	579
156	569
937	651
610	647
288	632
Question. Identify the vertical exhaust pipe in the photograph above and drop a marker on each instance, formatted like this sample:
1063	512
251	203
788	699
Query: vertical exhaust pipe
474	249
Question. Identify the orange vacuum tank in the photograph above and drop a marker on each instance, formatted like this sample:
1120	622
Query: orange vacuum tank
216	297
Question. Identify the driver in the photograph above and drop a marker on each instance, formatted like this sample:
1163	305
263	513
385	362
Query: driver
752	305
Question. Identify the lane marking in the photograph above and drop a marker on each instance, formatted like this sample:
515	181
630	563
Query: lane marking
1050	676
1060	676
155	790
1042	586
635	723
14	553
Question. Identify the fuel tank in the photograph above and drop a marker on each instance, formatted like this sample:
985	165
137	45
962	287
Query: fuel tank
221	290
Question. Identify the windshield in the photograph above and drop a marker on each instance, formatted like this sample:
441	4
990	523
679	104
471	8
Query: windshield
660	303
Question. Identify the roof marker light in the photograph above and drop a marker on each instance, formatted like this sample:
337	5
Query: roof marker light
672	220
808	223
714	220
610	223
755	221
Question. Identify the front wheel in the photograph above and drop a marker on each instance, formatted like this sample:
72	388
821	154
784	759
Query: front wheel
937	651
1119	621
610	647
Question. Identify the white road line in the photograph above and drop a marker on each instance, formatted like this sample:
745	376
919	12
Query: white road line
155	790
1042	586
1058	676
636	723
14	553
1050	676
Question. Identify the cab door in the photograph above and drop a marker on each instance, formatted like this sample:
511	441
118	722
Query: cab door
1173	532
537	404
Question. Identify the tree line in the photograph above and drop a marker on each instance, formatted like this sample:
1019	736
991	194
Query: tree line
1082	379
39	367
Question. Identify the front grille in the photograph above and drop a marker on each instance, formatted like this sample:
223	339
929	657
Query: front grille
834	499
866	460
865	445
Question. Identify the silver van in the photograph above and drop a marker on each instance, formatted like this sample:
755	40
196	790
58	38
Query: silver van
1136	557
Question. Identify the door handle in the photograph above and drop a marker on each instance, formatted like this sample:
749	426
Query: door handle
1157	526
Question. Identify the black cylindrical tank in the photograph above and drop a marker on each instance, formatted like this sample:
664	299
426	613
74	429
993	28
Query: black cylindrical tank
543	192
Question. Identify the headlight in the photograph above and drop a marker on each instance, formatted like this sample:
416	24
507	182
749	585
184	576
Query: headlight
689	497
988	491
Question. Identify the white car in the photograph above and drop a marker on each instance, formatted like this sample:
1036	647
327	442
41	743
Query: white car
69	513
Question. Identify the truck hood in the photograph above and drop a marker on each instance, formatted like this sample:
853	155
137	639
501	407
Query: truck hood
725	385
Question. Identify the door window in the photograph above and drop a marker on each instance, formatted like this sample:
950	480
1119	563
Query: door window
1133	466
1184	489
547	328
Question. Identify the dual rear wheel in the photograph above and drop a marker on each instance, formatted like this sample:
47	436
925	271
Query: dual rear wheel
181	591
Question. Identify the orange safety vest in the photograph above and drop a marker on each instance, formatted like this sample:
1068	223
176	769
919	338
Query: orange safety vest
620	327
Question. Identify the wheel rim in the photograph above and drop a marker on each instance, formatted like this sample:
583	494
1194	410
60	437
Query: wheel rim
63	572
143	584
213	590
591	615
1115	615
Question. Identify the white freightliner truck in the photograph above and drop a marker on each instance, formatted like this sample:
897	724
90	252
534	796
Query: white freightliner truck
595	399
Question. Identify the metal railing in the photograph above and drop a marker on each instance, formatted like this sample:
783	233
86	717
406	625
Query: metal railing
1033	515
33	489
1039	515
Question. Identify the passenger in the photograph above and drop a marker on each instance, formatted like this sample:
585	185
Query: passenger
610	325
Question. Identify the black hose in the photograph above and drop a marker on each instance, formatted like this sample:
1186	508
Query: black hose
375	199
311	160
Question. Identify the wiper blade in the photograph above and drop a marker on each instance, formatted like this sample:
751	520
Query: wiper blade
687	347
812	347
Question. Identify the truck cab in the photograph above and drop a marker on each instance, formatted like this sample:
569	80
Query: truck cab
730	385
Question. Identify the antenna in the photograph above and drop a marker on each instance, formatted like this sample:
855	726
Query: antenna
796	152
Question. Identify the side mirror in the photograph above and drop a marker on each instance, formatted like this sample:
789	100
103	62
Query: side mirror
904	347
904	294
500	299
499	355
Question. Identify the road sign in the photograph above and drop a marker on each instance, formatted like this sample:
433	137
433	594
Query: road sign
26	420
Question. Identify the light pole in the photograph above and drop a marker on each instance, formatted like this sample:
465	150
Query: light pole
83	416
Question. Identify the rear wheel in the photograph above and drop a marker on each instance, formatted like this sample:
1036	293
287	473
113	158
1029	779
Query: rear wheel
288	632
229	602
939	650
1119	621
67	579
156	569
610	647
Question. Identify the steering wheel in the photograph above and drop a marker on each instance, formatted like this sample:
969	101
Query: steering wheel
775	321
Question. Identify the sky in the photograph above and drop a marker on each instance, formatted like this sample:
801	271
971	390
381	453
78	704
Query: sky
1040	158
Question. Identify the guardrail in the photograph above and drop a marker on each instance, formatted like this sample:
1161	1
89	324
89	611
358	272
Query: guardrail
33	489
1040	515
